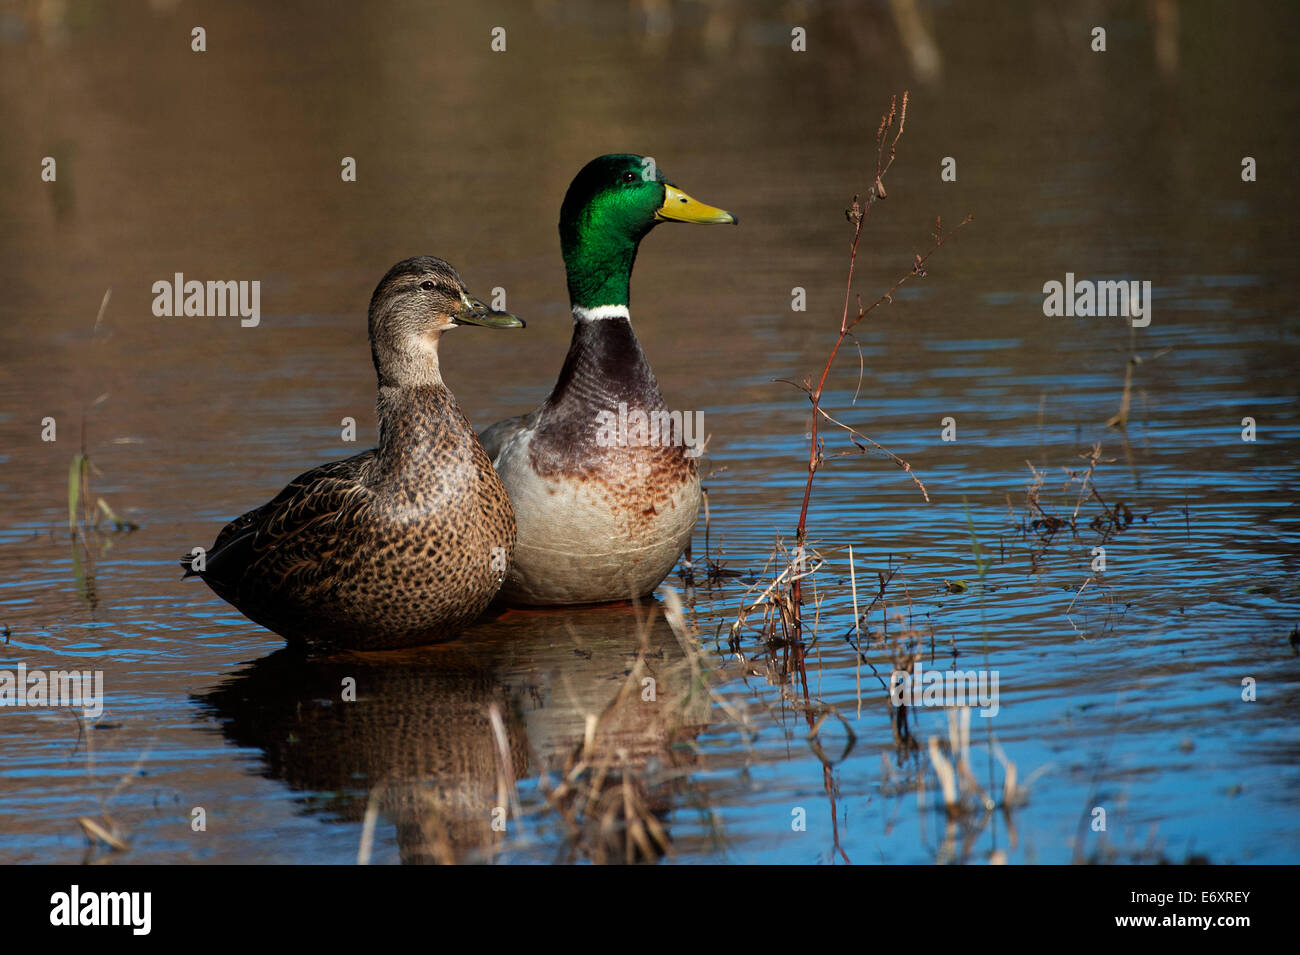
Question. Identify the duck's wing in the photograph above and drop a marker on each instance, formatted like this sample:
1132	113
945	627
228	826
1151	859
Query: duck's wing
285	534
496	438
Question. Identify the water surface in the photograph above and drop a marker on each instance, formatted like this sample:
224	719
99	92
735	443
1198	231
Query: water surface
1120	690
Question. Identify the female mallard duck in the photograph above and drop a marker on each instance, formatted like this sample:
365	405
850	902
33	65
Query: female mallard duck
400	545
600	520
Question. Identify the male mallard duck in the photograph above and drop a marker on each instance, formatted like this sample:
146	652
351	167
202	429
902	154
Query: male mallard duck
400	545
600	520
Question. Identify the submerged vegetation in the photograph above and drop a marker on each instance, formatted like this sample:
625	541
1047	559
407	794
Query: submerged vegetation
781	619
776	611
90	518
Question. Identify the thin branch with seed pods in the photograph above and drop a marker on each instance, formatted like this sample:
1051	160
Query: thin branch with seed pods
886	147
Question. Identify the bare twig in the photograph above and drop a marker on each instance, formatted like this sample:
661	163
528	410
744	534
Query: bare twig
888	134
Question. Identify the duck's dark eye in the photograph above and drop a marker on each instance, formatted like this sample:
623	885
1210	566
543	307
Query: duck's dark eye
629	177
427	286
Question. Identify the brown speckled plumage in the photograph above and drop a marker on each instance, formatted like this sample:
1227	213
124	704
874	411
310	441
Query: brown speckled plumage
401	545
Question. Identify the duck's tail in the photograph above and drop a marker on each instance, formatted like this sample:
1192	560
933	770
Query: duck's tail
188	563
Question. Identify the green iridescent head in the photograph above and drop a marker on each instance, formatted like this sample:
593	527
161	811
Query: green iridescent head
610	206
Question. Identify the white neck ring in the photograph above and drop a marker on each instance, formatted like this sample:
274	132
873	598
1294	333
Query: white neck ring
600	313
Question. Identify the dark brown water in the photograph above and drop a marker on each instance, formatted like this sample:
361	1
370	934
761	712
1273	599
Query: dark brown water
225	165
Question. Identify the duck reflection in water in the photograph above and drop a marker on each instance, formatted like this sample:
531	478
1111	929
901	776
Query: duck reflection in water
603	703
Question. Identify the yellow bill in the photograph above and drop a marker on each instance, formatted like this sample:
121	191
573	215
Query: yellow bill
679	207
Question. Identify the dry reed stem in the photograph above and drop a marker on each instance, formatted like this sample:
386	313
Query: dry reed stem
886	148
368	828
507	790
